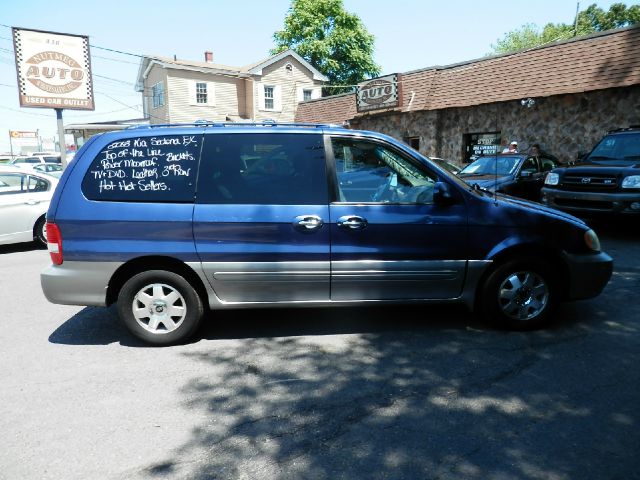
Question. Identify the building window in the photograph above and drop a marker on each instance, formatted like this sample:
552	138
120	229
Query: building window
478	144
201	93
306	95
413	142
268	98
157	93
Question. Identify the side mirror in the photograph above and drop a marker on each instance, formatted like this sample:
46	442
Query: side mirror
526	173
442	194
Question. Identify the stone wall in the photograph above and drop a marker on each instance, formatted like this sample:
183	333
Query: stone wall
563	125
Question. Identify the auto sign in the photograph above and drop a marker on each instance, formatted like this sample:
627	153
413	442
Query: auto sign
378	93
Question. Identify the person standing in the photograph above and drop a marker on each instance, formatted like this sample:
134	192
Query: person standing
512	148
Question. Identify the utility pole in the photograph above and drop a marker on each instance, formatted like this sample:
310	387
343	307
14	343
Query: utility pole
61	141
575	22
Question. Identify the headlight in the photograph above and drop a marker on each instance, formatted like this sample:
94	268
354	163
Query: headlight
552	179
632	181
591	239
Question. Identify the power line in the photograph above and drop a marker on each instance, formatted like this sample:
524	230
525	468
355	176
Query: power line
113	59
26	113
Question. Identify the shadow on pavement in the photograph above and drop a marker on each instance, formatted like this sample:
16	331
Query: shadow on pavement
21	247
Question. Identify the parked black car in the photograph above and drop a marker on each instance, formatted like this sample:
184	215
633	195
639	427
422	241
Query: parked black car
520	175
606	181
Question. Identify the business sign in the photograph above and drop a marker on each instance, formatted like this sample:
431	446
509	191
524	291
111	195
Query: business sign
23	139
381	92
54	69
479	144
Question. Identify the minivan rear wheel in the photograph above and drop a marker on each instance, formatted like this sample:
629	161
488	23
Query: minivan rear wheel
160	307
519	295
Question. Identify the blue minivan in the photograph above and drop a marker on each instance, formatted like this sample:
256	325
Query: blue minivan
169	222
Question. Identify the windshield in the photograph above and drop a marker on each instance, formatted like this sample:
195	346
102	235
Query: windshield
617	148
491	166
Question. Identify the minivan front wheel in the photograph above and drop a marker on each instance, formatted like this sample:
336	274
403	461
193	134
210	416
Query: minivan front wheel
160	307
519	295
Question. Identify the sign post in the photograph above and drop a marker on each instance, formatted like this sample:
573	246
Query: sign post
61	142
54	71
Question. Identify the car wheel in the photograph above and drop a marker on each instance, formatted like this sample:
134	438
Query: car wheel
40	231
160	307
519	295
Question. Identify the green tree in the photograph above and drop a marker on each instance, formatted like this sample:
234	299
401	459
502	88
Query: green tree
592	19
331	39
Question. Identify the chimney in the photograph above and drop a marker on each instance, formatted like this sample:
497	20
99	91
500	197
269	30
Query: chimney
208	57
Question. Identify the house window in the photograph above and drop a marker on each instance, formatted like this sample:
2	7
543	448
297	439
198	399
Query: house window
201	92
306	95
157	93
268	98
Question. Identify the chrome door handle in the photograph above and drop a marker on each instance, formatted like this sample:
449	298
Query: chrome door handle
352	222
31	202
307	223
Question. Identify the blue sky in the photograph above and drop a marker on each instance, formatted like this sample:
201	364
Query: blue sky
410	34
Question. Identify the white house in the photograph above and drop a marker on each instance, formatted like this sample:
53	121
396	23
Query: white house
178	91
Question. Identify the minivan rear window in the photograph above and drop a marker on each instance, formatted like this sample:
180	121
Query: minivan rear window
145	169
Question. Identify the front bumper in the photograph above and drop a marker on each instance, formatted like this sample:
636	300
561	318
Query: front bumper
592	202
588	274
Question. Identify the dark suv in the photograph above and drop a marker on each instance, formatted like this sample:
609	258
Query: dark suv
169	222
606	181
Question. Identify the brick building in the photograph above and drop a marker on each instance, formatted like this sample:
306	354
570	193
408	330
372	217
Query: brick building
563	96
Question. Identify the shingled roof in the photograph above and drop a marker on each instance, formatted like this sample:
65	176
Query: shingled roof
595	62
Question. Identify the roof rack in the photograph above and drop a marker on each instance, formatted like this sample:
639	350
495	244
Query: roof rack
625	129
264	123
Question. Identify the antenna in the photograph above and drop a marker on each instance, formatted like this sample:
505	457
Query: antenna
495	180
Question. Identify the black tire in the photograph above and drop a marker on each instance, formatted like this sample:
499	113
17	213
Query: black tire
160	307
519	294
39	231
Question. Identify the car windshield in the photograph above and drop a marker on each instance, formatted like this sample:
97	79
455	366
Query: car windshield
617	148
492	166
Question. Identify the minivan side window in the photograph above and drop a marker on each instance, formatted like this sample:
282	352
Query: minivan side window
273	169
372	173
145	169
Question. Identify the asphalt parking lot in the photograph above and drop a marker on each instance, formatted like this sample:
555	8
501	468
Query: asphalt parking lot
394	392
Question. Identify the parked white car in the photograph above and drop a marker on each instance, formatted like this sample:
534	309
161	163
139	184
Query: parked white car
28	162
24	200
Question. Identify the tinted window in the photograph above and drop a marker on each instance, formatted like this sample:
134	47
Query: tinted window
145	169
530	165
370	172
37	184
272	169
547	164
